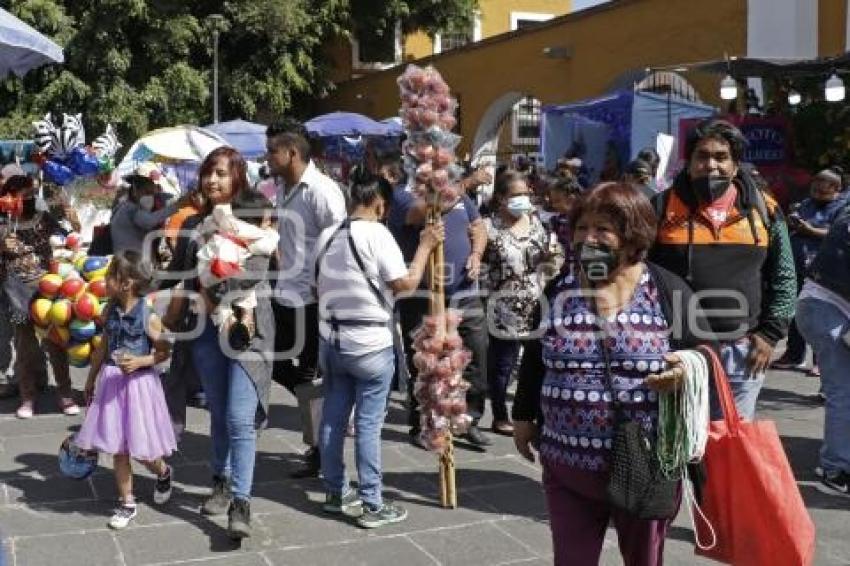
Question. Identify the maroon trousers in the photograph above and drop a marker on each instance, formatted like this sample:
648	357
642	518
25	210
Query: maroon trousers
579	514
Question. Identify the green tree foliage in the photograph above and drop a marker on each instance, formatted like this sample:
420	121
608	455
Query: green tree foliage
142	64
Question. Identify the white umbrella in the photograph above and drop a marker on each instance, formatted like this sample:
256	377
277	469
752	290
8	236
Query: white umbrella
177	146
22	48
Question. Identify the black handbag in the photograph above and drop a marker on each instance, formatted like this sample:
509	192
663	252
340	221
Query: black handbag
18	296
636	483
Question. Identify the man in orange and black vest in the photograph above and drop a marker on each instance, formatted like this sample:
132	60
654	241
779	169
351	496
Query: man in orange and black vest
728	239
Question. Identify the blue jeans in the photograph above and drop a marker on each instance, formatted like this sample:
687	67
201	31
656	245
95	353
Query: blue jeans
823	326
232	400
361	381
744	384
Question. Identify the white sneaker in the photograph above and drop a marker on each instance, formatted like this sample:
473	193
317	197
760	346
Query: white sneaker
122	517
69	407
162	488
26	410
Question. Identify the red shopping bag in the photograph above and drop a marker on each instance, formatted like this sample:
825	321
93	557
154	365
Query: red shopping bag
750	496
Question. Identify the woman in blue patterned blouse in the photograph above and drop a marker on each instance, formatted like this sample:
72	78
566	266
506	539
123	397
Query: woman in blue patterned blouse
563	405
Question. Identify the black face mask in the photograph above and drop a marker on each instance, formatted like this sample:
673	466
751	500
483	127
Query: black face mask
28	210
597	261
709	189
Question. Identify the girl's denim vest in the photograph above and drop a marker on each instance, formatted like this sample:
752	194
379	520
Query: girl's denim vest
128	331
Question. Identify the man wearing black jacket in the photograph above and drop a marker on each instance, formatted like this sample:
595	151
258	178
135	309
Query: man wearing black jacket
728	239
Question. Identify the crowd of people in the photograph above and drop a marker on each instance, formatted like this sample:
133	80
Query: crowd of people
322	291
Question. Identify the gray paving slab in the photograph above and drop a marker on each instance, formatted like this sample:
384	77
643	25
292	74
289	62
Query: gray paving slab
501	519
92	548
384	551
481	543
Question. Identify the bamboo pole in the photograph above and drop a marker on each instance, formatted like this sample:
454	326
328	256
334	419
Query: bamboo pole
448	491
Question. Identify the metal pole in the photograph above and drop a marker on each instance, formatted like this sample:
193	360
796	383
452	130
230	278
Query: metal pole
215	76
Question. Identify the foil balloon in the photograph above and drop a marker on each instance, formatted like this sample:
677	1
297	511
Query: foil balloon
106	145
56	172
82	162
44	134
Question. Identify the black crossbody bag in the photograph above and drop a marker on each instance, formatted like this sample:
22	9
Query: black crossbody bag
636	483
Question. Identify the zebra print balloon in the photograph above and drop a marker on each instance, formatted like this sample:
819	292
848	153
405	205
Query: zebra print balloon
106	144
44	134
71	134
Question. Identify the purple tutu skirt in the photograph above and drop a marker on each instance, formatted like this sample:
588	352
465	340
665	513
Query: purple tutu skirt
128	416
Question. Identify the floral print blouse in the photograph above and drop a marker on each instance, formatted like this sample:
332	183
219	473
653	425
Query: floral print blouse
511	274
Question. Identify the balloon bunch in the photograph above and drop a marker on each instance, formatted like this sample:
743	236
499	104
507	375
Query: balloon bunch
440	388
12	205
428	113
63	155
69	306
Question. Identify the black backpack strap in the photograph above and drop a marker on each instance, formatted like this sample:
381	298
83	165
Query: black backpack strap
345	224
380	296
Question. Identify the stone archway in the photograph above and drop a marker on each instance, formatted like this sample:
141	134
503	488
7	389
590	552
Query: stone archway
486	142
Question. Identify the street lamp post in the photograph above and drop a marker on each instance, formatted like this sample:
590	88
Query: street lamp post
217	24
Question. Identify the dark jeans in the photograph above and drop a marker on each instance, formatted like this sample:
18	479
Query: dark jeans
501	362
795	350
473	332
294	326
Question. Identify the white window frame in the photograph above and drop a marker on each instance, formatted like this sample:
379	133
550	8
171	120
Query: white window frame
516	139
359	65
531	16
476	34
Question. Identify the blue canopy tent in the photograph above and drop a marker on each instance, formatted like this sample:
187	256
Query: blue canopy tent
248	138
612	127
22	48
349	124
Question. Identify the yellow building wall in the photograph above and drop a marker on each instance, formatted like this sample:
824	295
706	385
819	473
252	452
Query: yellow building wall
832	25
606	42
496	14
495	19
418	45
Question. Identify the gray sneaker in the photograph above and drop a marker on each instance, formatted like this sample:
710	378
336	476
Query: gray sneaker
386	514
219	502
348	504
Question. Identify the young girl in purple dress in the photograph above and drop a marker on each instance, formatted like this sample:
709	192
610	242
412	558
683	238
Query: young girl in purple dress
128	417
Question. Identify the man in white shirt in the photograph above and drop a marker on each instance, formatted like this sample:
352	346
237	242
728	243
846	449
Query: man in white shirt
308	202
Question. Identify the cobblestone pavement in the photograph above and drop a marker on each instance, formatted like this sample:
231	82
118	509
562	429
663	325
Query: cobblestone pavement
49	520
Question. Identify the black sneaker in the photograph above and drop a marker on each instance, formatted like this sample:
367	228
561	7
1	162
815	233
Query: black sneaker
239	519
386	514
312	465
219	501
837	484
416	439
162	489
348	504
475	437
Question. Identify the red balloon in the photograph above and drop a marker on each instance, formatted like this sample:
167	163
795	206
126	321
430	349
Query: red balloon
86	307
97	288
72	288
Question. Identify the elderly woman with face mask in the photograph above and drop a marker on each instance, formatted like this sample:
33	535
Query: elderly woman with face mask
610	332
134	218
24	256
517	245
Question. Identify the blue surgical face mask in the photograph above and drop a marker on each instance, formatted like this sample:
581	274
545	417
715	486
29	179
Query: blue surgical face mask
519	205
